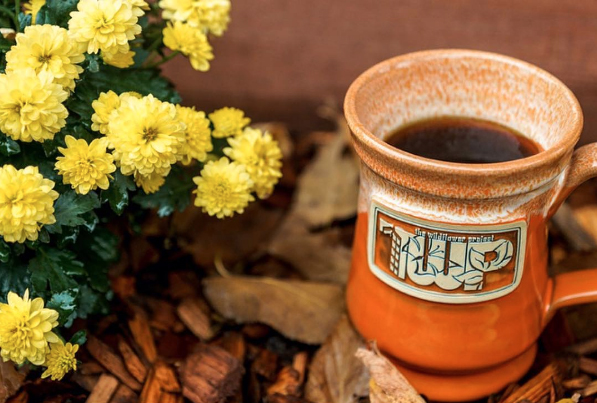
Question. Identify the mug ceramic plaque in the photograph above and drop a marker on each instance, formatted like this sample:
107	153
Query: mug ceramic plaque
449	267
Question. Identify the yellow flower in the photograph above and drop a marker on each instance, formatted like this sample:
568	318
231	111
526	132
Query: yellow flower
139	6
150	183
104	106
260	155
26	329
60	361
105	25
197	132
224	188
120	60
146	136
32	7
228	122
26	203
210	16
85	166
31	106
190	42
47	48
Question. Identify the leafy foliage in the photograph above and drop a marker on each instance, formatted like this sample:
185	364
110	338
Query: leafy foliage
67	264
174	195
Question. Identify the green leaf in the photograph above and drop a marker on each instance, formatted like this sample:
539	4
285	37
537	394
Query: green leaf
65	303
24	20
67	236
43	236
79	338
4	251
92	302
56	12
175	194
80	102
118	192
56	268
70	208
14	276
92	63
103	243
8	146
51	146
98	250
142	81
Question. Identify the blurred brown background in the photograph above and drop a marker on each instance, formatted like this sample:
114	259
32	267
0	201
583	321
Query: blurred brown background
280	59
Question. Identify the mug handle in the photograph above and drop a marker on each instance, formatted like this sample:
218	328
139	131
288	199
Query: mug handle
578	287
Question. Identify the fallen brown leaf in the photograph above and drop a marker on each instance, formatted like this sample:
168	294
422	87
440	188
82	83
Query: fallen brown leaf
387	384
232	239
335	374
317	256
328	188
300	310
10	380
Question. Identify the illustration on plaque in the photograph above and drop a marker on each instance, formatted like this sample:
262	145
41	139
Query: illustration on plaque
445	263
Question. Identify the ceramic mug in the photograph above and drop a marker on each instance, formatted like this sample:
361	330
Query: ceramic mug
449	266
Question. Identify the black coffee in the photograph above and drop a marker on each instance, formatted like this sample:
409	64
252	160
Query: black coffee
465	140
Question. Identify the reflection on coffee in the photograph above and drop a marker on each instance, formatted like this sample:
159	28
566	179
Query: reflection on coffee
464	140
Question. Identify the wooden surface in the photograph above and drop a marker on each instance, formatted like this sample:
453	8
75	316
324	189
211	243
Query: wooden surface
282	58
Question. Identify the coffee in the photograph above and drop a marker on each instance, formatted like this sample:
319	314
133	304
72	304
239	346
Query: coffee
464	140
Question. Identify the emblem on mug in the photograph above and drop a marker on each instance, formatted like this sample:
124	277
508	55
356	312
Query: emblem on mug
455	264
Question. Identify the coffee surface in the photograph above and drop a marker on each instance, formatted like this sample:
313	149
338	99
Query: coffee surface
463	140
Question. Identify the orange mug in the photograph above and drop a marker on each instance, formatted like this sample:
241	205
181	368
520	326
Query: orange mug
449	266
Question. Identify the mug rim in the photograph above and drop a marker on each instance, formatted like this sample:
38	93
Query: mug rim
377	147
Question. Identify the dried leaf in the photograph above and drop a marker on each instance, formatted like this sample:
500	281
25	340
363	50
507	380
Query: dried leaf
328	188
317	256
10	380
232	239
303	311
335	374
387	384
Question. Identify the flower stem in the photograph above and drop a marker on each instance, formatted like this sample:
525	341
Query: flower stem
154	45
16	15
164	60
10	13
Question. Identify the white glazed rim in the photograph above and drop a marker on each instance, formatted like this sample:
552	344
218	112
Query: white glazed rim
372	144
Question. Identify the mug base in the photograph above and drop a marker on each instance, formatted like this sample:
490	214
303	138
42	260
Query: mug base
468	386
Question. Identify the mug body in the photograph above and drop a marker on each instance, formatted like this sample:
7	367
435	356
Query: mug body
449	267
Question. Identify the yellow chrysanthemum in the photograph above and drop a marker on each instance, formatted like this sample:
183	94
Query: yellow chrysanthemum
224	188
139	7
104	106
197	133
150	183
50	49
32	7
210	16
120	60
26	329
85	166
26	203
60	361
228	122
106	25
31	106
260	155
146	136
191	42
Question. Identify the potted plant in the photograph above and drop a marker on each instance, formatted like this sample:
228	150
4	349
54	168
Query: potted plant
90	131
